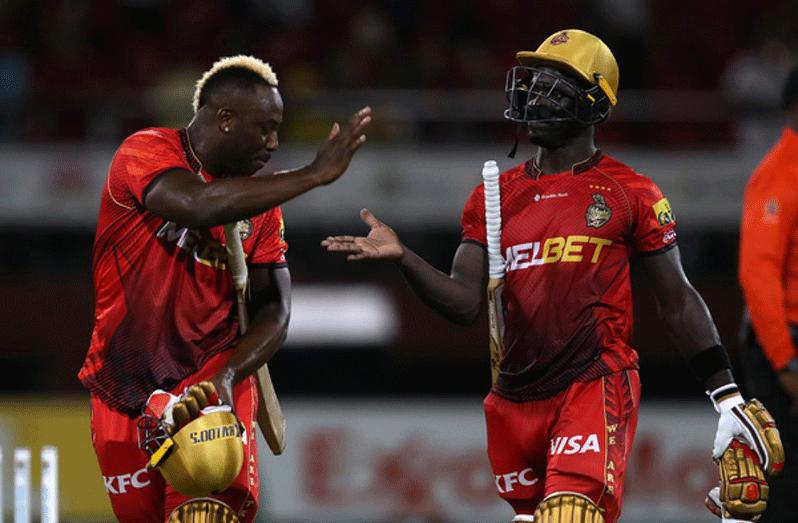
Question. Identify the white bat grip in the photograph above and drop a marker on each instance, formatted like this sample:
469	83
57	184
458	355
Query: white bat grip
493	219
238	267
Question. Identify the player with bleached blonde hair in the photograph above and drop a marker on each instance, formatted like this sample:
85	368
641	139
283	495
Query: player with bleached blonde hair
166	318
229	64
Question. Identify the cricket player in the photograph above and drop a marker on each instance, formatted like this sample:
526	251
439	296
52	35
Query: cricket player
166	315
562	413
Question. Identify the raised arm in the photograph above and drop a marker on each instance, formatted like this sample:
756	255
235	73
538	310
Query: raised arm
183	197
457	296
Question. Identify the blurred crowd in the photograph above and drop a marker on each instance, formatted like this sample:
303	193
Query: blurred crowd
99	69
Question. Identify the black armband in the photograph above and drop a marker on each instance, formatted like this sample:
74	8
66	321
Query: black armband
709	361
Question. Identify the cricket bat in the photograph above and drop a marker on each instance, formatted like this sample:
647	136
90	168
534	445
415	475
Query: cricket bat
493	227
270	415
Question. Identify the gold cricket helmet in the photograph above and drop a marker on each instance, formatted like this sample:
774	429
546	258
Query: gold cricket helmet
581	53
204	457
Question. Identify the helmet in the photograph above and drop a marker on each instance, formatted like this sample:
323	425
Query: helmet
581	53
204	457
577	52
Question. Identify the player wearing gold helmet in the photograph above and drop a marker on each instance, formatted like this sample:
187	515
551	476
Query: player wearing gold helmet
562	413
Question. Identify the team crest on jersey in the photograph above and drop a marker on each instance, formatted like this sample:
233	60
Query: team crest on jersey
560	38
245	228
598	213
663	212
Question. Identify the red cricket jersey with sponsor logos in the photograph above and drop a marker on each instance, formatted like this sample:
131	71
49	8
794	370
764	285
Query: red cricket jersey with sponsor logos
165	301
568	240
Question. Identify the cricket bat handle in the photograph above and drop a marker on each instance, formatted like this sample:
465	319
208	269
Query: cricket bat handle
493	232
270	415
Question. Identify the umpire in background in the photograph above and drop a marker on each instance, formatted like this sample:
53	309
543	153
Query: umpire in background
768	274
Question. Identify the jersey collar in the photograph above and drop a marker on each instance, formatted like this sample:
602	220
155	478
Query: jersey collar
191	156
534	171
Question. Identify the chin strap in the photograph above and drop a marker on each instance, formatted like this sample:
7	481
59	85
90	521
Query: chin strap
515	148
515	145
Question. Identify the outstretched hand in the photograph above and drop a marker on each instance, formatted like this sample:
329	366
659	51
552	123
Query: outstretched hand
336	152
382	243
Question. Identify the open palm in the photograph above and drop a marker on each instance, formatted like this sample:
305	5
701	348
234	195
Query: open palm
382	243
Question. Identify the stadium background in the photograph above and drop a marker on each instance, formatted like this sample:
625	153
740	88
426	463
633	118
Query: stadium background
697	108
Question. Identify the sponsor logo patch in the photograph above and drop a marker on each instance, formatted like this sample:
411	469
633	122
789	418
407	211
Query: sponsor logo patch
663	212
204	249
575	248
578	444
551	195
508	482
120	484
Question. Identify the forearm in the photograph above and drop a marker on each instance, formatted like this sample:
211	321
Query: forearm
688	319
691	325
265	336
451	298
229	199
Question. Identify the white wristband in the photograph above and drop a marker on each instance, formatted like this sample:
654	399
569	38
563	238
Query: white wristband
725	397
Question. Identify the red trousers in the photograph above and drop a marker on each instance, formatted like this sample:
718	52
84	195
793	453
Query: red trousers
139	495
577	441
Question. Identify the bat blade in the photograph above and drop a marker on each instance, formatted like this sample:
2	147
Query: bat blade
270	415
495	287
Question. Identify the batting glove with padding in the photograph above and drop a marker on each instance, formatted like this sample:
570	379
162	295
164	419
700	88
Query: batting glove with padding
177	411
715	506
743	492
159	405
750	423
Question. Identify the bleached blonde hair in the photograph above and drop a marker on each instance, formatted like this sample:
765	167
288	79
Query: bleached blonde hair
255	65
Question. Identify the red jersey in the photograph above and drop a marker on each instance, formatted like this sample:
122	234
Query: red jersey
165	301
567	241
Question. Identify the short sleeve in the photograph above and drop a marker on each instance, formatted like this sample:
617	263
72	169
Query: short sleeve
268	245
140	158
654	219
473	218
